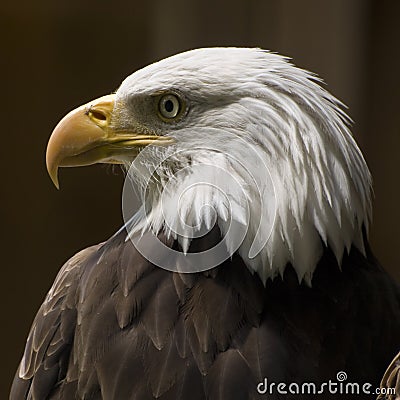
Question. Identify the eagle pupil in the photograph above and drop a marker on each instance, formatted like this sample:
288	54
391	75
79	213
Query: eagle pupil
169	106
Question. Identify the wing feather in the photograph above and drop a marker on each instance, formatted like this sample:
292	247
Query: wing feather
45	360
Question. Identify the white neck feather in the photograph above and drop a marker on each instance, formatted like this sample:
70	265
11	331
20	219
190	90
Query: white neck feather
297	181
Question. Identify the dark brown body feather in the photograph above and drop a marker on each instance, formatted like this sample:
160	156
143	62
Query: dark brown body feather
390	384
116	327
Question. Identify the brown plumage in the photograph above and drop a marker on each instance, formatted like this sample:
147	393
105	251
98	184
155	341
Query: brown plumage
116	327
390	384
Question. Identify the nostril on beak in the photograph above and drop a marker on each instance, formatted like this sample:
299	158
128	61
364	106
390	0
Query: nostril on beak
100	111
96	114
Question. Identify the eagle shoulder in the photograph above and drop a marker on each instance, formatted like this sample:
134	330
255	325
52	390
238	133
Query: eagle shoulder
45	361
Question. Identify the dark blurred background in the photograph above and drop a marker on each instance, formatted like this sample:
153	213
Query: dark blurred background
56	55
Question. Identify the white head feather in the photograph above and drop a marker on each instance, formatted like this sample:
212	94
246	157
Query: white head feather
257	118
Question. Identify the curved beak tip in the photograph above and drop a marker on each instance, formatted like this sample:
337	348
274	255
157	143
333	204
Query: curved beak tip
53	173
52	164
80	130
55	181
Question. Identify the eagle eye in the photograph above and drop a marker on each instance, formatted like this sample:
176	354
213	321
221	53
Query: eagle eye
169	106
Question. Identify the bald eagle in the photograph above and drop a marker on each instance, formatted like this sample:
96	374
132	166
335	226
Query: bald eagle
247	259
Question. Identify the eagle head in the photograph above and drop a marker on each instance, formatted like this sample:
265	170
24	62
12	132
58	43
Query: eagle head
234	137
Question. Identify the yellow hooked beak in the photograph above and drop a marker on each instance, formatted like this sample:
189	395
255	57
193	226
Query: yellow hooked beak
89	135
